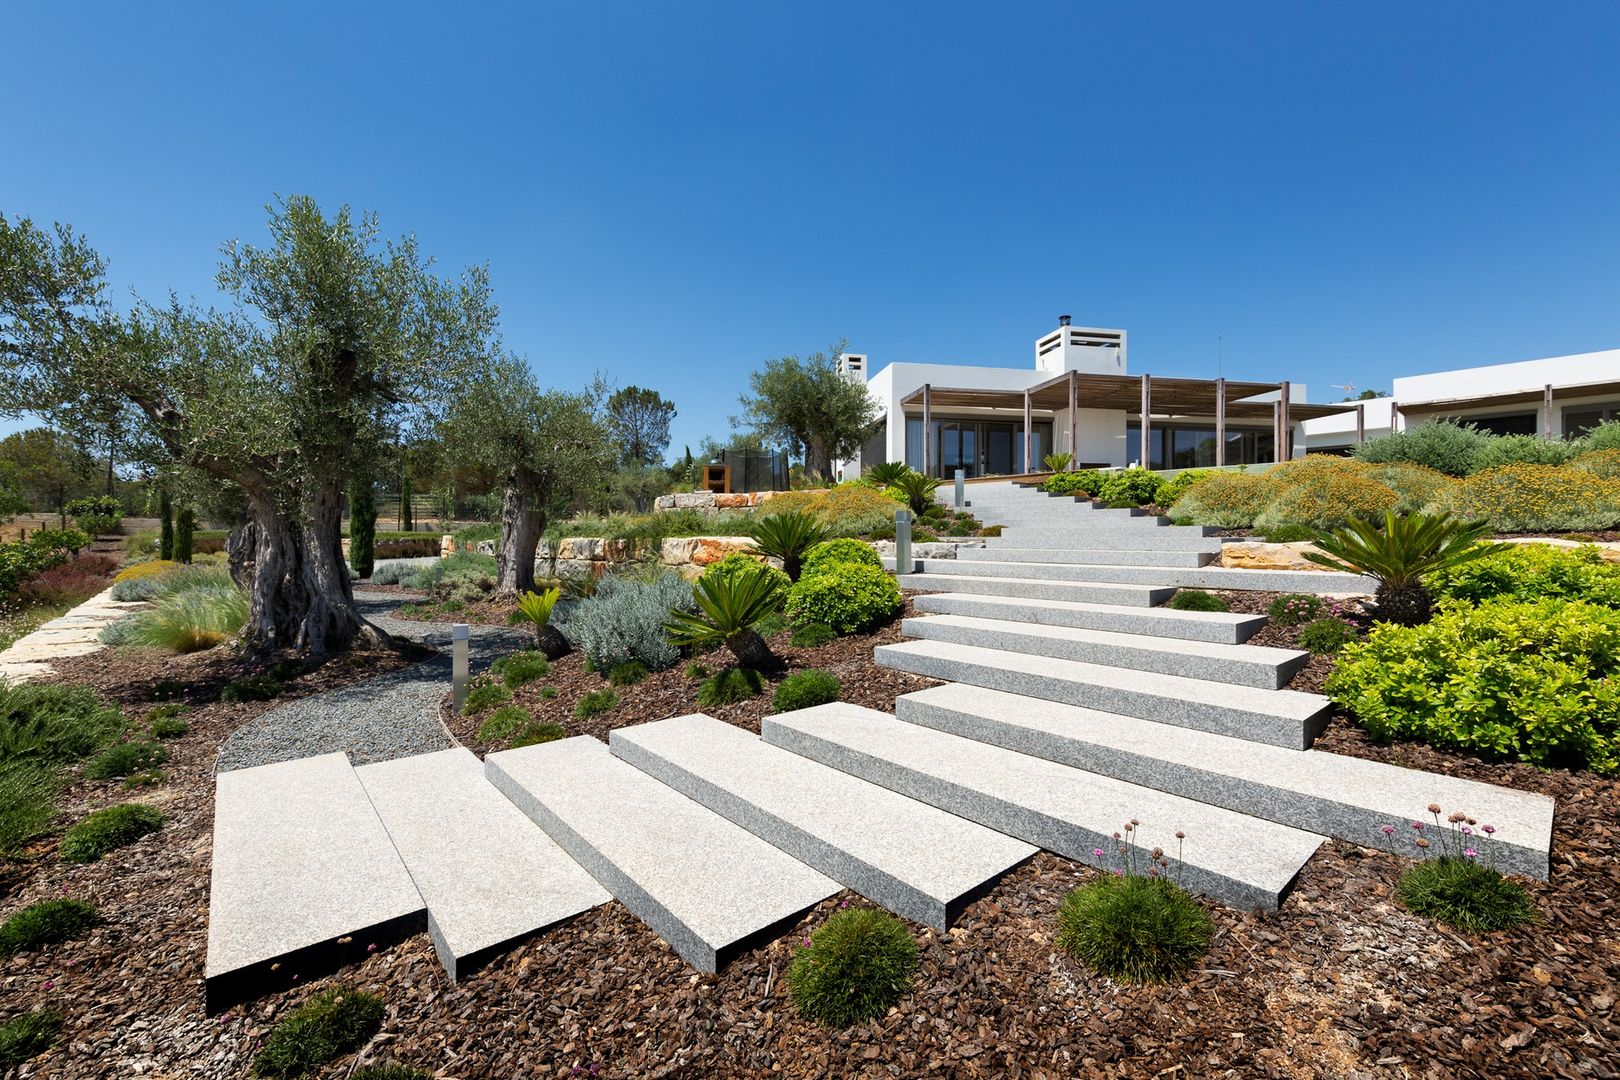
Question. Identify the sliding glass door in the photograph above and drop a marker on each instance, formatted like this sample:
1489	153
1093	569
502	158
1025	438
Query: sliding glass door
977	447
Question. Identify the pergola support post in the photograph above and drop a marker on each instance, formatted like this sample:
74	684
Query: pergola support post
1276	431
1361	424
928	431
1147	421
1547	412
1029	435
1287	422
1074	419
1220	422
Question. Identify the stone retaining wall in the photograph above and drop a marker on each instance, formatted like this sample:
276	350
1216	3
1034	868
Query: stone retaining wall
710	502
591	557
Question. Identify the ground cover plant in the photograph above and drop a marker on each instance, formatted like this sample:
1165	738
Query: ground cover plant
27	1036
1197	600
332	1022
48	922
804	689
108	830
1326	637
854	967
1456	880
1530	572
519	668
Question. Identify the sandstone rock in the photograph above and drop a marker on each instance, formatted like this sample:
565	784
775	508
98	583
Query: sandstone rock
1258	555
677	550
695	500
736	501
711	549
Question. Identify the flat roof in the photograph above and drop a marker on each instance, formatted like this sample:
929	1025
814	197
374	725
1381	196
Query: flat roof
1170	397
1511	397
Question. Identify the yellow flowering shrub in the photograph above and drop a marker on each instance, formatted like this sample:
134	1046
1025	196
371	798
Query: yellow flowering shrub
151	568
849	509
1540	498
1323	498
1603	463
1416	487
1230	500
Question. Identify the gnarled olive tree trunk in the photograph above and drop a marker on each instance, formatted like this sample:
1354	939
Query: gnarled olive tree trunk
522	522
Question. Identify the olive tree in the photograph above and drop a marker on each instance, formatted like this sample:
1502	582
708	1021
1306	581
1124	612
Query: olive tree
808	404
550	447
333	340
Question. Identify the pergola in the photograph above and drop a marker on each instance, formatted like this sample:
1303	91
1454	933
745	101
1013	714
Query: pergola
1545	396
1142	394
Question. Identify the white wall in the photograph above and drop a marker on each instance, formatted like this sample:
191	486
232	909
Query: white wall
1331	432
1523	375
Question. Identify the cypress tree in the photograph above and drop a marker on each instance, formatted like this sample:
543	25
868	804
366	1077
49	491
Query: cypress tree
406	523
185	522
166	536
362	527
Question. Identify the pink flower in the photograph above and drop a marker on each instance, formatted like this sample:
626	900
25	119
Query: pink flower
49	985
1097	852
1489	829
807	942
1119	873
1389	830
1466	831
1418	825
372	947
1470	853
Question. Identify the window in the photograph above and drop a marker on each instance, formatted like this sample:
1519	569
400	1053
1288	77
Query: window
1580	419
977	447
1190	446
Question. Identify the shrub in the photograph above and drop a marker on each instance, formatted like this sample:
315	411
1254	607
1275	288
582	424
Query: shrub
150	568
503	723
788	537
1197	600
728	687
28	1035
485	695
1293	609
846	510
1443	445
69	583
536	609
108	830
27	802
1601	463
1134	928
855	967
886	472
1179	484
1137	487
520	668
1289	534
728	608
628	673
1081	482
1324	637
1399	555
625	620
1606	436
125	758
46	923
738	564
804	689
97	515
1324	496
852	599
595	704
534	734
54	725
1058	462
918	490
838	552
1466	894
1225	500
1525	450
389	1072
1522	681
169	727
1416	487
189	621
1539	498
144	779
1531	572
330	1023
251	688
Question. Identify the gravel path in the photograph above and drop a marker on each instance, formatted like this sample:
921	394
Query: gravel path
394	715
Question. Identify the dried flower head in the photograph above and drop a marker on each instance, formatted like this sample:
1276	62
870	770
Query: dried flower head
1158	851
1422	843
1434	808
1180	835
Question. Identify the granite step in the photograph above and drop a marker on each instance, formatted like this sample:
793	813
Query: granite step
943	580
704	884
489	876
1080	515
1220	627
1123	535
305	879
1244	861
1348	798
912	858
1277	717
1242	665
1209	577
990	565
1105	556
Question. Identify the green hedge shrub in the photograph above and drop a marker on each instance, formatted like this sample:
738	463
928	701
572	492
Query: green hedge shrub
1079	482
1524	450
1181	483
1137	929
1135	487
738	563
108	830
46	923
843	550
852	599
330	1023
855	967
804	689
1443	445
1534	682
1531	572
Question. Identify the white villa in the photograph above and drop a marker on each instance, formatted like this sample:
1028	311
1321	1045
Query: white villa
1076	398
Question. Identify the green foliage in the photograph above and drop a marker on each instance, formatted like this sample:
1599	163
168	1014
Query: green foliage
1197	600
1539	498
887	472
1179	484
185	529
46	923
1524	450
503	723
1133	928
774	623
108	830
485	695
851	599
1466	894
537	607
389	1072
189	621
169	727
1136	487
788	536
624	620
1603	463
1416	487
144	779
1443	445
362	526
1534	682
728	607
1289	534
1606	436
125	758
1324	637
628	673
252	688
595	704
1400	554
330	1023
804	689
1530	572
96	515
638	420
1082	482
23	559
1324	493
844	550
27	1035
729	686
1058	462
809	403
1228	500
54	725
27	802
1295	609
520	668
857	965
918	490
534	734
738	564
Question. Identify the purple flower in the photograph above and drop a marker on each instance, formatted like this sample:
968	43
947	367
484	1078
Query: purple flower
1389	830
1097	852
1418	825
1466	831
49	985
1489	829
372	947
1469	853
807	942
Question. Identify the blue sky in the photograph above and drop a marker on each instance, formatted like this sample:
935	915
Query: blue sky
675	193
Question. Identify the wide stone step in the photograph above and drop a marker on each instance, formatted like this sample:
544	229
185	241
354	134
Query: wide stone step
989	565
943	580
1087	556
706	885
1221	627
1345	797
912	858
1242	665
1077	514
489	876
1244	861
305	879
1122	534
1209	577
1277	717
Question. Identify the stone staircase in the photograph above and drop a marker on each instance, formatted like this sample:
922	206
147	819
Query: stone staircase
1069	705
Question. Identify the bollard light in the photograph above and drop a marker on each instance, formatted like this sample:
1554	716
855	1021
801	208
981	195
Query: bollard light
458	664
961	484
902	542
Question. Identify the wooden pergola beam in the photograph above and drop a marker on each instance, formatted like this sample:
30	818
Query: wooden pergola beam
1287	423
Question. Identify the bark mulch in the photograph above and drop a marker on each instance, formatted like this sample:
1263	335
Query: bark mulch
1342	982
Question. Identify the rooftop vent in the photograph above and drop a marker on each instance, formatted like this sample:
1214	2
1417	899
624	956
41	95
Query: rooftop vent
1063	320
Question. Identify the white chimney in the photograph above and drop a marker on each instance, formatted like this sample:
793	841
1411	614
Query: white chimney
852	366
1086	349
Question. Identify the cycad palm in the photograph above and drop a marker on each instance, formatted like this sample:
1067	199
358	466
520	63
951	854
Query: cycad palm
728	608
788	536
1399	554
